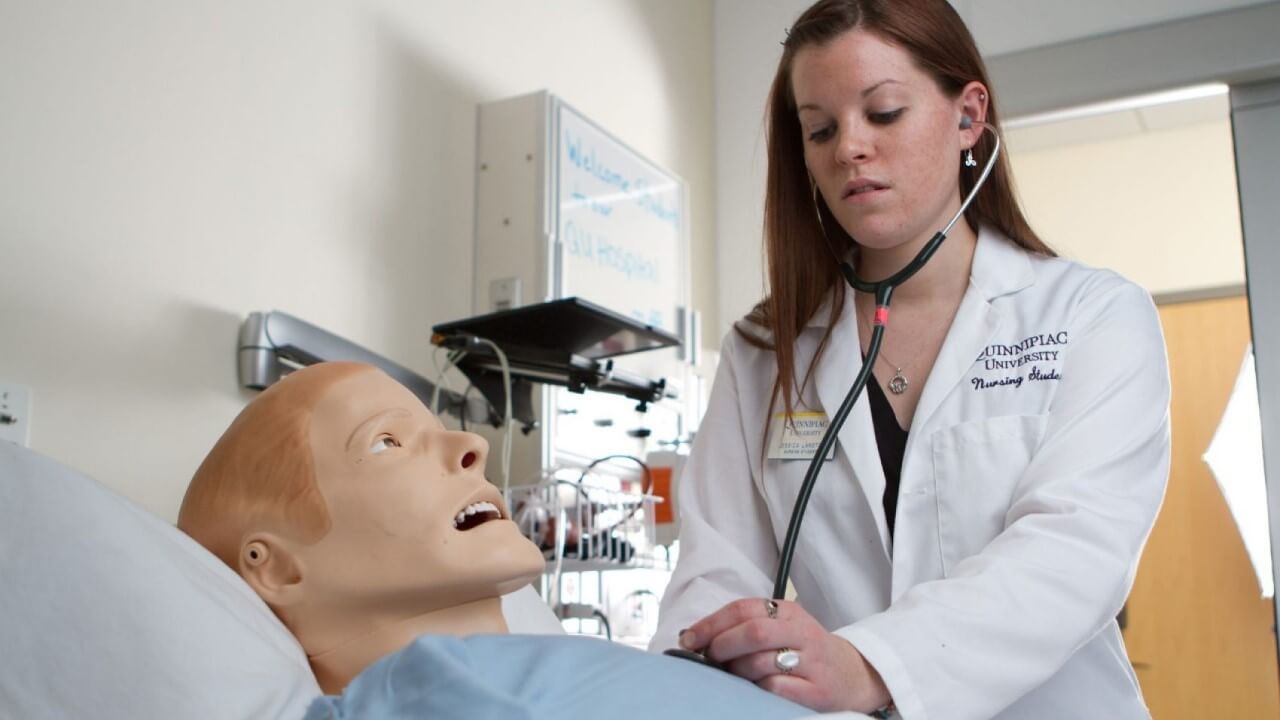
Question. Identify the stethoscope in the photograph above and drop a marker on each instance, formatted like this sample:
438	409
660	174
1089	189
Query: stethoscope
883	292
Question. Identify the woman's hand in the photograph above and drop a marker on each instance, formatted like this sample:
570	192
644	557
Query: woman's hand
748	638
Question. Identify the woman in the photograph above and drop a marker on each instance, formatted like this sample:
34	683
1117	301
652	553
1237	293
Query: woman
978	526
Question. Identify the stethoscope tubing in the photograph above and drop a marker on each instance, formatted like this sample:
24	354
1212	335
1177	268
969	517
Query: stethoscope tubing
883	292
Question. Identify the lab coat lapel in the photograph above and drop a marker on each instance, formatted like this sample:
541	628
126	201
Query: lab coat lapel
999	268
974	326
857	440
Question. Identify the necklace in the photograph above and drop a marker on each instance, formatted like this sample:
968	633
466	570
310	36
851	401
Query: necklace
898	383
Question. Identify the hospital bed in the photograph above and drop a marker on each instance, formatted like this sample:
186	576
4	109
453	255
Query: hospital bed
108	612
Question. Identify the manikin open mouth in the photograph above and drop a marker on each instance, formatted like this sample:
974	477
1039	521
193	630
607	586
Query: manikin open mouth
475	515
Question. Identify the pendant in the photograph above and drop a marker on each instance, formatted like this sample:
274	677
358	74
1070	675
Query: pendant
898	384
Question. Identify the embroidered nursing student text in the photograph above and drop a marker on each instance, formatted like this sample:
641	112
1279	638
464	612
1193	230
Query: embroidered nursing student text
1007	357
1041	348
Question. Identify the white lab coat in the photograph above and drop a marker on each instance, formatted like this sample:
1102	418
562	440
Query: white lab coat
1022	512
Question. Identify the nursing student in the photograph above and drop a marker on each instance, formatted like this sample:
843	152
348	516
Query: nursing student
977	528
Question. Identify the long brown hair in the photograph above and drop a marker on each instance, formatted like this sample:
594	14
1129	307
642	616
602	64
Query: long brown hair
801	272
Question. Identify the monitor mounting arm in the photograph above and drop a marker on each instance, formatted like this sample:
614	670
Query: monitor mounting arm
273	344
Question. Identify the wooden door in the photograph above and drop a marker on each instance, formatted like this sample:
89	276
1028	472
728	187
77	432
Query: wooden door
1198	631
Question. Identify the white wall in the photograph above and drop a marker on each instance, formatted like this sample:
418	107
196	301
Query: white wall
748	37
167	167
748	33
1159	206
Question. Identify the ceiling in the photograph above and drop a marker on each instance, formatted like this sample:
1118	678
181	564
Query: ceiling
1095	126
1007	26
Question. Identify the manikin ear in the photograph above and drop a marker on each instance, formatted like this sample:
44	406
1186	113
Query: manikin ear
973	102
267	563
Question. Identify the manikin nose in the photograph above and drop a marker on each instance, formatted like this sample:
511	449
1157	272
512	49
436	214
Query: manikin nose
466	451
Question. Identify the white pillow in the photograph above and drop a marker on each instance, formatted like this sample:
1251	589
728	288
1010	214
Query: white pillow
526	613
106	611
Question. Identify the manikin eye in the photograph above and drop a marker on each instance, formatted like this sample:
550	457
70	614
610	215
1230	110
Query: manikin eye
382	443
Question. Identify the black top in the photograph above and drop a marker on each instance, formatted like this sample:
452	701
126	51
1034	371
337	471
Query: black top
891	440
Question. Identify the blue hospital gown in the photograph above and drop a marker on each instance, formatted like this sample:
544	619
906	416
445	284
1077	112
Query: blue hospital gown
518	677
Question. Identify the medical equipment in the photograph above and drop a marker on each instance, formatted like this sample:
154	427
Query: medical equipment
564	209
665	467
569	342
882	290
274	344
586	526
591	523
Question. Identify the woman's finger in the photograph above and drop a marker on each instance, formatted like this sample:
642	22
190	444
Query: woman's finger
759	665
754	636
797	689
699	635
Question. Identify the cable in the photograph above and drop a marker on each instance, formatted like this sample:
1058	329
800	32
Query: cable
604	622
648	475
562	519
534	514
435	390
583	611
462	416
645	487
547	476
506	417
453	358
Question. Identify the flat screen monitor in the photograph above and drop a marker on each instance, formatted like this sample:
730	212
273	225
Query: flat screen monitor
571	325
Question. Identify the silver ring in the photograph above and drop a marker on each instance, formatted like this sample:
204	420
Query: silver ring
786	660
771	609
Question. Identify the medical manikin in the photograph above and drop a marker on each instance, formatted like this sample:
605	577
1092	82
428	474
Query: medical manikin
371	532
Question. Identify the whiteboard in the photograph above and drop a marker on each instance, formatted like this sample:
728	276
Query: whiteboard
620	225
620	241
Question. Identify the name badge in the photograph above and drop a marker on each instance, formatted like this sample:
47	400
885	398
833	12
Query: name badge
799	439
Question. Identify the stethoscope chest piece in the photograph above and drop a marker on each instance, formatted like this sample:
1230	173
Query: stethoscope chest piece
693	657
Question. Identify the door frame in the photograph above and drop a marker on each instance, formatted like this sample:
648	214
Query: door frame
1235	47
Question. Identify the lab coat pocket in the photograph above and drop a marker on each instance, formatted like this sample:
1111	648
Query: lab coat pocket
976	466
832	505
781	487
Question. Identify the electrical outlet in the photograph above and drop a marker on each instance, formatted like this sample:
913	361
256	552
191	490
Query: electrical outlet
504	294
15	413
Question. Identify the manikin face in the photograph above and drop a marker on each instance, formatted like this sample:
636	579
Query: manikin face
880	139
415	527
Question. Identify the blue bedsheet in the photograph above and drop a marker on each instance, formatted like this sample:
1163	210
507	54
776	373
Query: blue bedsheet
514	677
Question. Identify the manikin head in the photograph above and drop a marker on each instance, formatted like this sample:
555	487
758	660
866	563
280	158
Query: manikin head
358	518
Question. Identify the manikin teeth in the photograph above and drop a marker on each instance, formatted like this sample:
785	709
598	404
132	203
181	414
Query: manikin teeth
473	508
